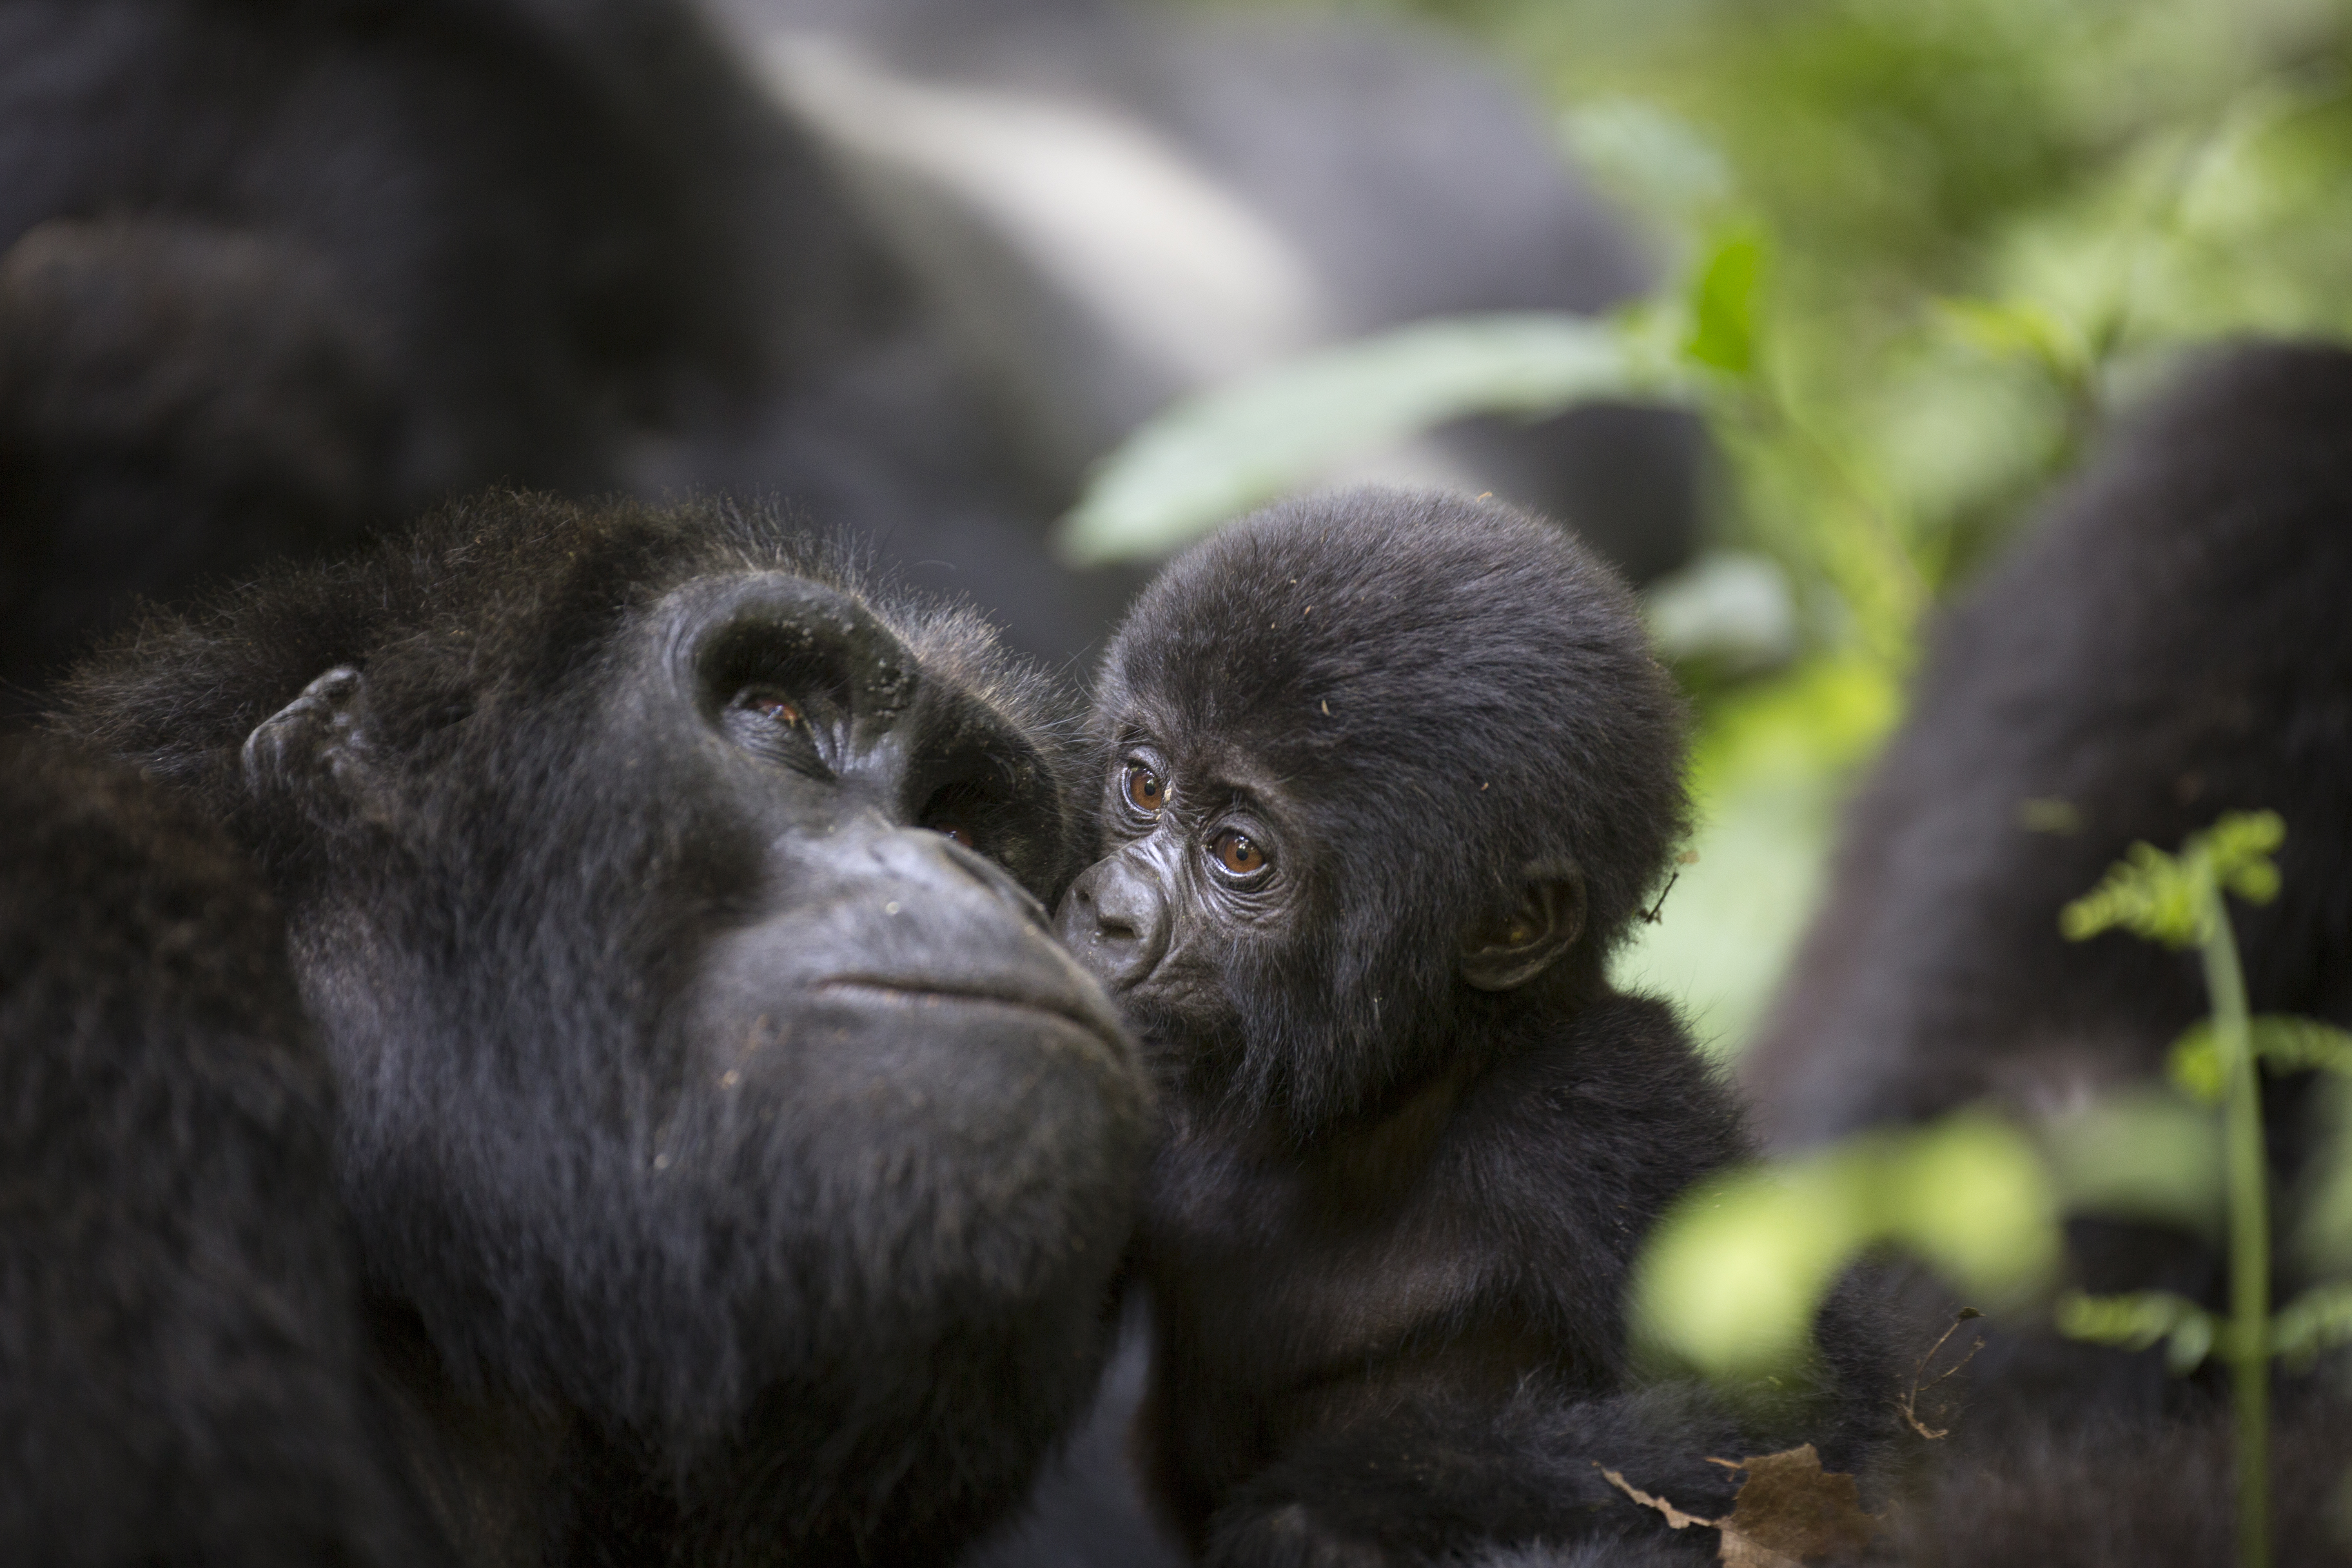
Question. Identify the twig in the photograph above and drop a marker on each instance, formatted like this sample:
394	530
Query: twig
1910	1404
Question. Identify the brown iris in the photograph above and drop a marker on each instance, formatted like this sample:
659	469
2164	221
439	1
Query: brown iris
1239	853
1144	789
776	708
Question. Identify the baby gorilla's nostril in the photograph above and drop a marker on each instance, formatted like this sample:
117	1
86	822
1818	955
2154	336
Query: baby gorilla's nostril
1112	920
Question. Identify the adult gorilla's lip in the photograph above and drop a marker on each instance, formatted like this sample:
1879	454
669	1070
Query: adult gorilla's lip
1102	1025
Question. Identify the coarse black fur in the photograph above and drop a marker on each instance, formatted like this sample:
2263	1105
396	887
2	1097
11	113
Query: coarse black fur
737	1165
180	1371
1415	1139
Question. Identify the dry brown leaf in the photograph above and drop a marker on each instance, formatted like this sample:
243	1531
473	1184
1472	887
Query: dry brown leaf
1792	1508
1674	1516
1789	1511
1739	1551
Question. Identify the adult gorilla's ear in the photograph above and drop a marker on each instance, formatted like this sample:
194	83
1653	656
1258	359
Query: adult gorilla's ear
1508	950
316	747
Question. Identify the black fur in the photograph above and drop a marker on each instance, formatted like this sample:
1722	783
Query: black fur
1388	1234
181	1371
737	1169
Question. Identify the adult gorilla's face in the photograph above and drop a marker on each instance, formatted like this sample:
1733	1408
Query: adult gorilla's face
709	1078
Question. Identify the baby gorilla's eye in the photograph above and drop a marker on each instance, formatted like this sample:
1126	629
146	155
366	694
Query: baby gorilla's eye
1239	853
956	831
1144	790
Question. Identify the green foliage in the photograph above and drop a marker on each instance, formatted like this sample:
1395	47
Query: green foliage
1723	306
2135	1322
1765	775
2180	901
2317	1322
2281	1043
1219	454
1912	251
2163	896
1731	1280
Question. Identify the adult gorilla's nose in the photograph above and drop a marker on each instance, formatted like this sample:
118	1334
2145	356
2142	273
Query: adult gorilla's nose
1114	919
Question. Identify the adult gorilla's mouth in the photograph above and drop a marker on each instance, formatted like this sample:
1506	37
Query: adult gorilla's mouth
1100	1023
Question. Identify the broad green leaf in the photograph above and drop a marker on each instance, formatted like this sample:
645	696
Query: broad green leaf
1211	457
1731	1279
1649	154
2020	330
1723	306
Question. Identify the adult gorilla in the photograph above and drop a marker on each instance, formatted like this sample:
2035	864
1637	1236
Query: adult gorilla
736	1166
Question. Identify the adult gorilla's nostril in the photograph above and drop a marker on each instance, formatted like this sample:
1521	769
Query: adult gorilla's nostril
1114	921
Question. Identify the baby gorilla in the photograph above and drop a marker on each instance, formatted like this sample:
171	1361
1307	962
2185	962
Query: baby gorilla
1387	777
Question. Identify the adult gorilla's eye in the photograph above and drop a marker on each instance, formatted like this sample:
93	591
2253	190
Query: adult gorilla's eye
1239	853
1144	791
775	706
953	830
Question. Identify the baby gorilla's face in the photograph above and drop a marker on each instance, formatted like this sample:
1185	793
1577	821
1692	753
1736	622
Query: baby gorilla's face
1237	907
1212	870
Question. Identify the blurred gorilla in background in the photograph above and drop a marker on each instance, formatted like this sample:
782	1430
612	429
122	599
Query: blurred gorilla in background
2170	644
1112	204
273	273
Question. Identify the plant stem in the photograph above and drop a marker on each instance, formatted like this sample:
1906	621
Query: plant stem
2249	1227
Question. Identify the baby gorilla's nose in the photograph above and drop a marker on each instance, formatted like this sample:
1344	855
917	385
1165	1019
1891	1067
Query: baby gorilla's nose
1114	921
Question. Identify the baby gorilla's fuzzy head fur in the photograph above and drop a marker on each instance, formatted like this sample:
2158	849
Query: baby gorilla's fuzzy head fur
1443	693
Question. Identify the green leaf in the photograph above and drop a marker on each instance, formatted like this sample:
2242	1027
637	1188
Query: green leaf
2319	1319
2289	1044
1731	1279
2283	1043
1649	154
2147	892
2138	1321
1723	300
2195	1065
1212	456
2159	896
2239	845
2021	331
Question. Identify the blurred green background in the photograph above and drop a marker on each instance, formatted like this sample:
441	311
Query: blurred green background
1973	229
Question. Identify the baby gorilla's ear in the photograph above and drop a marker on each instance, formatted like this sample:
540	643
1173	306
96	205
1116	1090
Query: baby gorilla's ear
1511	949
